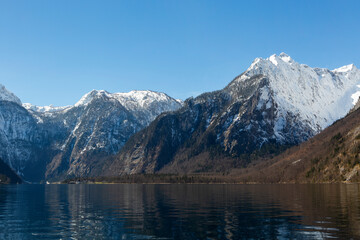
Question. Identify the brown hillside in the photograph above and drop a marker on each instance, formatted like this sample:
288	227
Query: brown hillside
331	156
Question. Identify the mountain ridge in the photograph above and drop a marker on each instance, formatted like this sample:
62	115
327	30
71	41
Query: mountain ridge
275	104
6	95
267	108
68	137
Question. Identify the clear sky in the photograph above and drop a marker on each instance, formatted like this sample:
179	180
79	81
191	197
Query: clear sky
53	52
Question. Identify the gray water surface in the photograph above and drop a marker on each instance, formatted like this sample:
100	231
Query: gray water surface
176	211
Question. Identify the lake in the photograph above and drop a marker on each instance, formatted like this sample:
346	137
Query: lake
180	211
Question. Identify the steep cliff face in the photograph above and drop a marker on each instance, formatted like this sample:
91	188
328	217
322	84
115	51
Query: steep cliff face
7	175
276	103
94	130
22	142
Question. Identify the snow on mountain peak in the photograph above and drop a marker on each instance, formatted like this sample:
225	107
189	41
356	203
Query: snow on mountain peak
285	57
317	95
87	98
6	95
345	69
133	100
255	62
141	97
273	59
282	58
145	100
44	109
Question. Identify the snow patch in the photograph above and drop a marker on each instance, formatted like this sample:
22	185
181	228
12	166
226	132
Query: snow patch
87	98
344	69
6	95
296	161
355	96
44	109
273	60
286	58
255	62
264	98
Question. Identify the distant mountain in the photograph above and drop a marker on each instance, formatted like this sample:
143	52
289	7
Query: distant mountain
275	104
331	156
7	175
22	142
56	142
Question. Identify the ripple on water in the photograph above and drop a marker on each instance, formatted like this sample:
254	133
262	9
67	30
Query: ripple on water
179	211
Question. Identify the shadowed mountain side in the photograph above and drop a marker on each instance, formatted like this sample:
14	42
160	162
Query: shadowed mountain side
275	104
7	175
214	132
331	156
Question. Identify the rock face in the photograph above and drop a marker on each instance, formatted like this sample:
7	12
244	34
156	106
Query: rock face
7	175
22	143
274	104
57	142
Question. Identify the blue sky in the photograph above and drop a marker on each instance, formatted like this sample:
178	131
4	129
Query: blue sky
53	52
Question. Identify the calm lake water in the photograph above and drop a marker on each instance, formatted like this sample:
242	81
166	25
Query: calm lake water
131	211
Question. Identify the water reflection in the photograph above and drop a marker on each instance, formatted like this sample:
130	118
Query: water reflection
179	211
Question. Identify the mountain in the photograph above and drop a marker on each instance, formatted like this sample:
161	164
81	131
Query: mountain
19	135
7	175
6	95
276	103
22	143
56	142
331	156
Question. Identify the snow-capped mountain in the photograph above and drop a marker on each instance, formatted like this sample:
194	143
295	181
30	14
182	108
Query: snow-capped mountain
274	104
146	105
43	109
62	141
20	138
5	95
318	95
